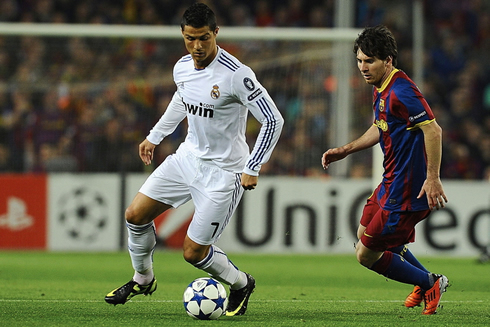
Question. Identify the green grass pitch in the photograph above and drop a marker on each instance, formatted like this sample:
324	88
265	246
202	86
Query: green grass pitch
68	289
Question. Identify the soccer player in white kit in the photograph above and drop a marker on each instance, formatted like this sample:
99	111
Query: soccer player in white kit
213	166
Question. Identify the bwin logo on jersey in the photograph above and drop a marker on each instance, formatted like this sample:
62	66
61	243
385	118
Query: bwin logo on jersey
215	92
203	109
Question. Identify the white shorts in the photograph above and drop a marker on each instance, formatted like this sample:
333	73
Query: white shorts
214	191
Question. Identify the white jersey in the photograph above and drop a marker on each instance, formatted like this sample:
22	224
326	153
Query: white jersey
216	101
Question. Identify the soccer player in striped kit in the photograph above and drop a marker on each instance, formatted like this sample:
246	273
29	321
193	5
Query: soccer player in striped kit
411	141
213	166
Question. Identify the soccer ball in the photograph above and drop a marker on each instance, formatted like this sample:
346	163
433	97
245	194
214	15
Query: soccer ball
205	299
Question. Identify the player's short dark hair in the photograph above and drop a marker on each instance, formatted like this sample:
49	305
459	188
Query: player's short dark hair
377	42
199	15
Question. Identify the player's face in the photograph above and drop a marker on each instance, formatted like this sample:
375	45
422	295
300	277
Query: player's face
374	70
201	44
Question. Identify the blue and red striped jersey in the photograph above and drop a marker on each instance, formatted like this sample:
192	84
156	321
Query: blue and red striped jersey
400	109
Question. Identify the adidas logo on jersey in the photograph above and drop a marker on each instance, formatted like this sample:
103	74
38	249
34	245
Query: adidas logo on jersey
203	109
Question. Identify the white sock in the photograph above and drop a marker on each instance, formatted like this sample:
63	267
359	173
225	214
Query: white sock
241	282
218	266
143	278
141	244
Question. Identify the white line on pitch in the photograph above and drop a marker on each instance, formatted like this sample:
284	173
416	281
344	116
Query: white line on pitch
272	301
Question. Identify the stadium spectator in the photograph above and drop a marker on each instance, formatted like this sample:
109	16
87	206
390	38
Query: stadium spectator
51	158
87	130
108	148
5	162
263	13
461	165
9	11
17	117
370	13
240	15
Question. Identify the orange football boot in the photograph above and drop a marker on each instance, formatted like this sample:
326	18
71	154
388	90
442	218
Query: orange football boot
415	298
432	297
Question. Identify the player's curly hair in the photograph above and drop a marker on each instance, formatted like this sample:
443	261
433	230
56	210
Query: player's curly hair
377	42
199	15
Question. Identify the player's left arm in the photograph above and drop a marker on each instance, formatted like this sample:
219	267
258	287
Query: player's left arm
256	98
415	109
432	186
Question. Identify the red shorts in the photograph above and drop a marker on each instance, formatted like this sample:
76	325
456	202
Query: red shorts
388	229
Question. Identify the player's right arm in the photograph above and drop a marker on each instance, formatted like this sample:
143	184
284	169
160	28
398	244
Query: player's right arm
146	150
167	124
367	140
169	121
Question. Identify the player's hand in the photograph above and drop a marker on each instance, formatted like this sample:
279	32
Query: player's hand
434	191
146	150
332	155
249	182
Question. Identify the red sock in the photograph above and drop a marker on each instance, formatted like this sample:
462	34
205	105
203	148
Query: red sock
381	266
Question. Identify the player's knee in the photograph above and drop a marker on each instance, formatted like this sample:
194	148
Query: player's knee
191	256
132	216
363	260
363	257
195	254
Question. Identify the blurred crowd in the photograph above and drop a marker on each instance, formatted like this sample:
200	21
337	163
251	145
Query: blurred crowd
84	104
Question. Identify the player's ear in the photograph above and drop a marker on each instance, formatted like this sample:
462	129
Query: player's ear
216	30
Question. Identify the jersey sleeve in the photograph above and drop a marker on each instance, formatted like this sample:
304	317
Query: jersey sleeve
169	121
417	110
255	97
